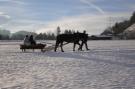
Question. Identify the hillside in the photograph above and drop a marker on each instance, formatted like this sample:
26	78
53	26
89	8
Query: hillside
121	27
129	33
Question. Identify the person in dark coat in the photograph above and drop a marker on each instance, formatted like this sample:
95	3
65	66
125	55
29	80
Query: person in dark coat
32	41
84	41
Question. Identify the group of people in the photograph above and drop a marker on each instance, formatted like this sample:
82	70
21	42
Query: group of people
29	40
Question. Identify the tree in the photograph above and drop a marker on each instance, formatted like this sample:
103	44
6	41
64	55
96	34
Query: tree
21	34
69	31
45	36
107	31
4	34
58	30
120	27
39	36
132	19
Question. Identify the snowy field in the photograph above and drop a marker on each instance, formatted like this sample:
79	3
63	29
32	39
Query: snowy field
108	65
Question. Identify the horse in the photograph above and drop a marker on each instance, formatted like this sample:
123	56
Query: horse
70	38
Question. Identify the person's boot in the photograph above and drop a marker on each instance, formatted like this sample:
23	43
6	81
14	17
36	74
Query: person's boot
87	49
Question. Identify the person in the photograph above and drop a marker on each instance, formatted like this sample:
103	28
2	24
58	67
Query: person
84	41
26	40
32	41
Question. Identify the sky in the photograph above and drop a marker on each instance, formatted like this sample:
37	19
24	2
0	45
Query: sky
94	16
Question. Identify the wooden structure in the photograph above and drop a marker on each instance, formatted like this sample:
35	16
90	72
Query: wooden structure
33	47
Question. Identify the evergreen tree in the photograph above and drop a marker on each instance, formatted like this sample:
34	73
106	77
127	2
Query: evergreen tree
4	34
132	19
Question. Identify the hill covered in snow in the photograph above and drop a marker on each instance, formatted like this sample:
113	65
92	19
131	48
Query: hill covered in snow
129	33
127	27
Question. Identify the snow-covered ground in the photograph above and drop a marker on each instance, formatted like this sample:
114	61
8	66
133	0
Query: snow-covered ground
108	65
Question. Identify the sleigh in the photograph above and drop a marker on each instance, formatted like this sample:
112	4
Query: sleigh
42	47
33	47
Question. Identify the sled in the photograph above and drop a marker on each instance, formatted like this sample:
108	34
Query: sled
33	47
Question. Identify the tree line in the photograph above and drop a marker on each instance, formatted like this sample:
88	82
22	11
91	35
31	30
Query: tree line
7	35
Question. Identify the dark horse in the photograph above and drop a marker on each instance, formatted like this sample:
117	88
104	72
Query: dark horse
70	38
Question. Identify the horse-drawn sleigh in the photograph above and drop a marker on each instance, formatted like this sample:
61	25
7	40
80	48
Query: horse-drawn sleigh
60	39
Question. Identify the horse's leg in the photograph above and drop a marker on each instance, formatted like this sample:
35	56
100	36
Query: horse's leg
56	46
61	45
81	45
74	46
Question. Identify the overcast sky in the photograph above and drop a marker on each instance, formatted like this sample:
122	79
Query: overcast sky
45	15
